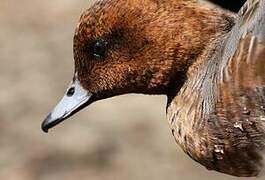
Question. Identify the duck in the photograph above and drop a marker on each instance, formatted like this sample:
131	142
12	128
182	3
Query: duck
210	64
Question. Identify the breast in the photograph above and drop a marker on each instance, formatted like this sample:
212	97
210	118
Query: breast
218	117
222	125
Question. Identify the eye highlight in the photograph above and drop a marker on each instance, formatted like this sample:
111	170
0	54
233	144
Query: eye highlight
100	48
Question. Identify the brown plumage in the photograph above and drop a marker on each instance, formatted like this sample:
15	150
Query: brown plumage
209	63
148	47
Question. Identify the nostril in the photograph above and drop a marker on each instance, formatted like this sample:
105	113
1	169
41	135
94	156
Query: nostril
70	92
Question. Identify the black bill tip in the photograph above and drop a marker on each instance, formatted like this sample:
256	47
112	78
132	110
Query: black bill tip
45	124
49	123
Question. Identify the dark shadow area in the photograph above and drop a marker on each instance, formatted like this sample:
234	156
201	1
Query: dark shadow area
234	5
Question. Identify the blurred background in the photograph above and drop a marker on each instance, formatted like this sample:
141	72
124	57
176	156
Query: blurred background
125	137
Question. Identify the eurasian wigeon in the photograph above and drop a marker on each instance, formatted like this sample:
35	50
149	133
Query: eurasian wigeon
209	63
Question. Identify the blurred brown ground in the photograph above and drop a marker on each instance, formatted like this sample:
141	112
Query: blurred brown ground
125	137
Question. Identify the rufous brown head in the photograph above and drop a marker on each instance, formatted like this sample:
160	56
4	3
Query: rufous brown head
131	46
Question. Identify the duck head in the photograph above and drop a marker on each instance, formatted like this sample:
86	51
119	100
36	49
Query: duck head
134	46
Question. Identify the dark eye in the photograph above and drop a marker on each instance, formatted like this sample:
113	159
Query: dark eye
70	92
100	48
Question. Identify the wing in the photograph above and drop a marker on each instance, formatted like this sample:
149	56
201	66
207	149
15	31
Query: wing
218	116
238	122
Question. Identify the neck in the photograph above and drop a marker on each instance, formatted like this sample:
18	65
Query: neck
195	99
190	33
